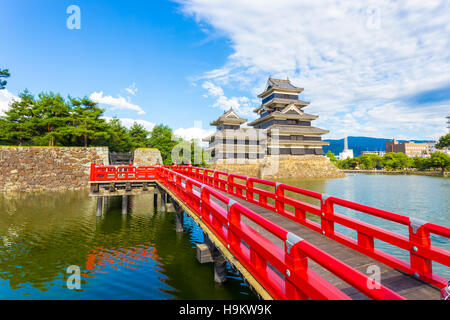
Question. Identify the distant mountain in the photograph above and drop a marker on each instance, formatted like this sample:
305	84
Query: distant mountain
359	144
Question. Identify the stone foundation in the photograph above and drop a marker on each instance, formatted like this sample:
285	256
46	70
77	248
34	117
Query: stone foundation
147	157
284	166
52	168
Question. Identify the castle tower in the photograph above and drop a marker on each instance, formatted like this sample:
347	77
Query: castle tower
230	141
289	130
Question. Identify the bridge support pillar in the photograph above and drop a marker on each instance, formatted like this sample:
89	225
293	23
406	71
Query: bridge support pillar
220	264
179	220
124	205
99	206
220	267
155	201
163	200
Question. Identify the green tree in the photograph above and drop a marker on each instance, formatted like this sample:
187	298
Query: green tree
349	163
444	142
139	136
52	113
118	138
331	156
369	161
162	139
421	163
395	161
18	125
86	121
440	160
4	73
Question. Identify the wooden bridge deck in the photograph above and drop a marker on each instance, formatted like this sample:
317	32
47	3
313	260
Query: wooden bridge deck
405	285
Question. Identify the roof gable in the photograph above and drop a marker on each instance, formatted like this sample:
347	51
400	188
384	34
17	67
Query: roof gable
231	114
292	109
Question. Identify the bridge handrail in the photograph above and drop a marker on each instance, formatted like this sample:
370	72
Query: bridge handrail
422	253
117	173
418	243
299	280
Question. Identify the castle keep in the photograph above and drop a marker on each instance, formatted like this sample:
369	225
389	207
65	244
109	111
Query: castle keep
283	128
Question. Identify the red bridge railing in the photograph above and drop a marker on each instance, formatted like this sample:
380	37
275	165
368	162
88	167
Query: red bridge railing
118	173
285	273
422	252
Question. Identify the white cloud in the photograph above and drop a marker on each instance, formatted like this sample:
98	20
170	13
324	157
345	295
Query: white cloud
128	122
213	90
116	103
241	105
193	133
132	89
351	57
6	98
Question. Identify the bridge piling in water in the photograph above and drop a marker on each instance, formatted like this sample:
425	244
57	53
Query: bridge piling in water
99	206
124	204
155	200
179	220
163	200
219	261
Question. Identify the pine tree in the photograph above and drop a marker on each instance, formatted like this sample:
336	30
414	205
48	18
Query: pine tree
139	136
119	140
53	114
4	73
86	121
18	124
162	139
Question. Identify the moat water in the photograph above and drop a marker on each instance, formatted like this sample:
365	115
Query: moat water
140	256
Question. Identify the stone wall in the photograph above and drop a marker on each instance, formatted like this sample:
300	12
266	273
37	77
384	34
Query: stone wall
52	168
147	157
284	167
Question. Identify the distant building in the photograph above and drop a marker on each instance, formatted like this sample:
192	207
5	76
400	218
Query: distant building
346	153
282	128
432	147
411	149
378	153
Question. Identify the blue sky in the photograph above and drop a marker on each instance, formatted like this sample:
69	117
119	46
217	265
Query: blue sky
379	71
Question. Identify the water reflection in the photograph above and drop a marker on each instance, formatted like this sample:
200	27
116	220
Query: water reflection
422	197
137	256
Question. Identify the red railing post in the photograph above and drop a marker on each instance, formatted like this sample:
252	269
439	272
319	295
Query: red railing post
327	211
230	184
249	191
419	239
234	221
297	265
92	171
279	198
204	196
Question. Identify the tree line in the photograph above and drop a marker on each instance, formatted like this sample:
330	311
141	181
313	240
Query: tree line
51	120
397	161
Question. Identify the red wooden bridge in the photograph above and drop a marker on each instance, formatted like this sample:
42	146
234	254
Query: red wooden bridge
287	248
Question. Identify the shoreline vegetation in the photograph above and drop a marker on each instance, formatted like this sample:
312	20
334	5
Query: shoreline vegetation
50	120
438	163
400	172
